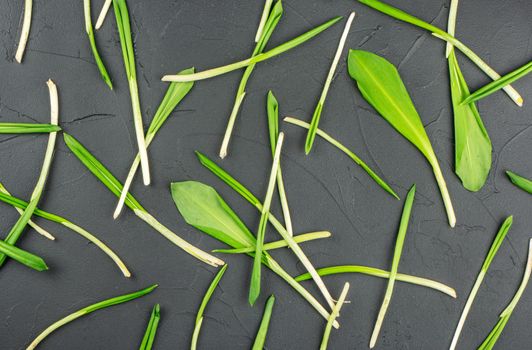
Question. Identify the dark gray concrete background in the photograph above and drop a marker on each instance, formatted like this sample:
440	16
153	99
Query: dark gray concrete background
326	190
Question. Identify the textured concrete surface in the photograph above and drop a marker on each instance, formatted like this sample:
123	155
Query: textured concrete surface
326	190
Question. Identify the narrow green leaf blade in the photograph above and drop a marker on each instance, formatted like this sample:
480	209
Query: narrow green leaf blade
27	128
260	338
500	83
99	170
90	33
472	142
151	329
30	260
521	182
87	310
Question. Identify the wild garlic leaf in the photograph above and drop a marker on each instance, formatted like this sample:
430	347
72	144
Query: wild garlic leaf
151	329
334	314
521	182
202	207
380	84
25	33
92	40
27	128
260	338
500	83
472	142
30	260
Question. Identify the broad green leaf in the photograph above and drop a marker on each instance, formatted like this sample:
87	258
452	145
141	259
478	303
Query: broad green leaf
380	84
260	338
472	142
403	226
521	182
151	329
441	34
500	83
87	310
202	207
27	128
505	227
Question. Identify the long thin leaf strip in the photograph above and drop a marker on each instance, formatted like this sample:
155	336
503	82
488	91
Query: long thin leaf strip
256	59
387	93
87	310
260	338
494	335
334	314
305	237
203	305
103	13
174	94
505	227
311	135
451	25
30	260
16	231
272	111
25	32
272	21
348	152
500	83
22	205
128	53
109	180
244	192
375	272
254	289
202	207
472	142
441	34
90	32
27	128
521	182
151	329
263	18
403	226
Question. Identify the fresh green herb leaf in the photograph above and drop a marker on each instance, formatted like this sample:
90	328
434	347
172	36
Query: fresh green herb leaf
109	180
256	59
451	25
441	34
505	227
278	244
103	13
403	226
263	18
30	260
349	153
273	18
472	142
380	84
203	305
151	330
174	94
202	207
22	205
500	83
88	28
311	135
272	110
375	272
244	192
16	231
128	53
334	314
27	128
521	182
254	288
25	33
87	310
494	335
260	338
